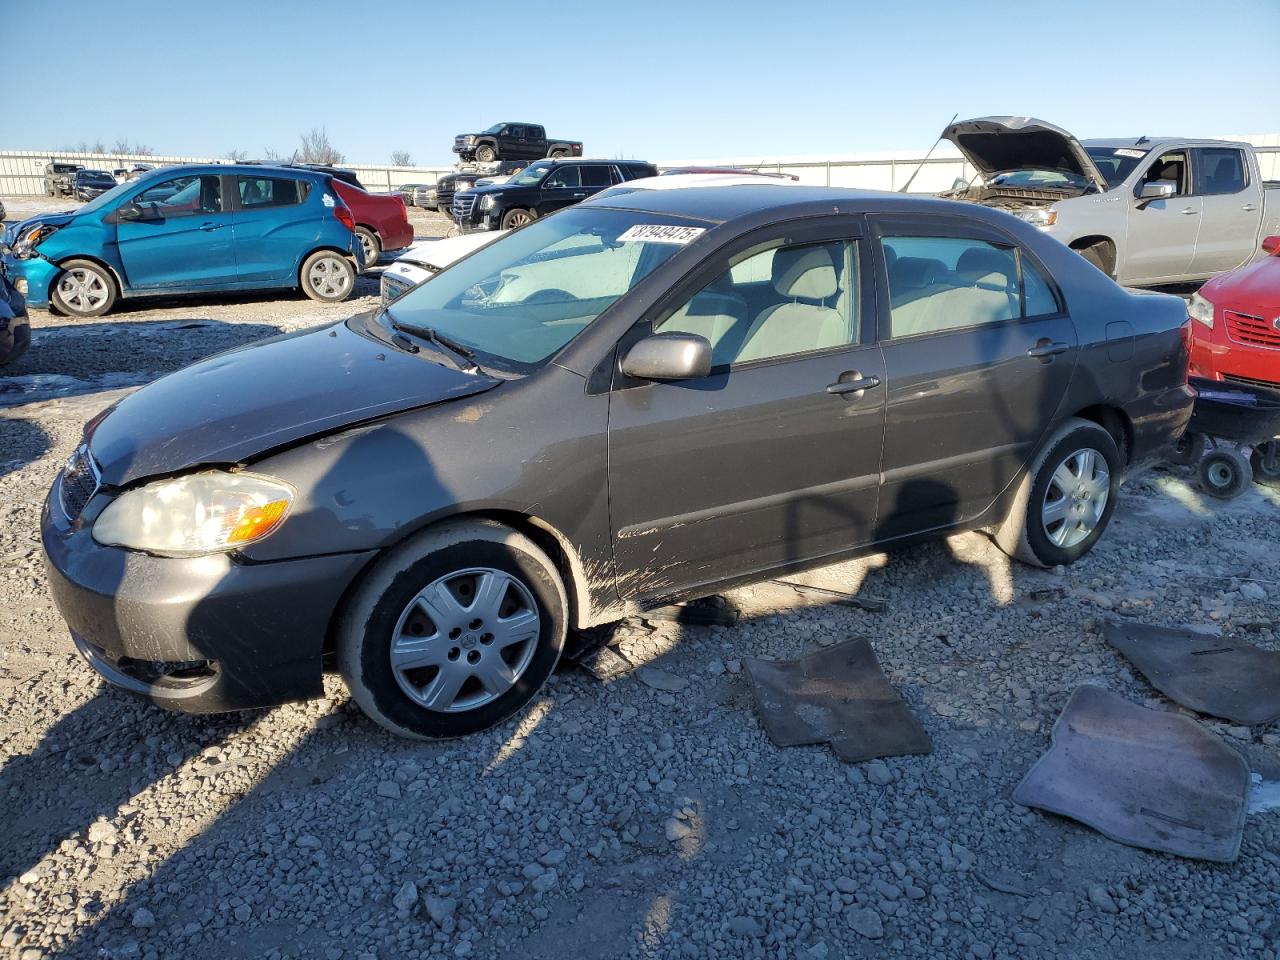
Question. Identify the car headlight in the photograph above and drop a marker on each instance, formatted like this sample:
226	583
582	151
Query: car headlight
1201	308
1038	216
470	139
197	514
32	237
490	201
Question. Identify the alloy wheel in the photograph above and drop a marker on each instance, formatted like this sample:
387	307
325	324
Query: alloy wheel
1076	498
518	219
465	639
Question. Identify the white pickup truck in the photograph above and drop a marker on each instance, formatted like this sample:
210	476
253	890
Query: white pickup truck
1147	210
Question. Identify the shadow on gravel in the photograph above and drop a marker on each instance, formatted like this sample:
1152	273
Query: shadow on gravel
366	285
100	761
21	442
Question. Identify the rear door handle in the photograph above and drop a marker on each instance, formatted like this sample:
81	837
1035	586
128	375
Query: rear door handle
1047	349
1187	211
856	385
1248	208
211	226
579	194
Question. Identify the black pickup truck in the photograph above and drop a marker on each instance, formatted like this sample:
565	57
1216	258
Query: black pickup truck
513	141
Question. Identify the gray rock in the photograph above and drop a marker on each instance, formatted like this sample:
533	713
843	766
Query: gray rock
144	919
441	909
406	896
661	680
1099	897
865	921
389	789
878	773
745	927
545	881
102	832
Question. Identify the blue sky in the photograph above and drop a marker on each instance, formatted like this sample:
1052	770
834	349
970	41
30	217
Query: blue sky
662	81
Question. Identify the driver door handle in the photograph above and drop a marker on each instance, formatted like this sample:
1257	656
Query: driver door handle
1048	349
1187	211
856	385
1248	208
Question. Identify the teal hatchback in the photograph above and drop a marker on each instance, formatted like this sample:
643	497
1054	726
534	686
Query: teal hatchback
190	229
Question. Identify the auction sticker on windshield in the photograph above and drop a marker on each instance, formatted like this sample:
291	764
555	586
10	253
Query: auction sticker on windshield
658	233
1131	154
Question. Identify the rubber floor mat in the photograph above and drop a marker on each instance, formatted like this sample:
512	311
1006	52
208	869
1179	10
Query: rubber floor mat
837	695
1141	777
1223	678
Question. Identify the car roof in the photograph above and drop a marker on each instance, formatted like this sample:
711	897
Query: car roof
1148	143
255	169
718	204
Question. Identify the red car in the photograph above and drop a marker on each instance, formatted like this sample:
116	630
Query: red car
382	222
1237	333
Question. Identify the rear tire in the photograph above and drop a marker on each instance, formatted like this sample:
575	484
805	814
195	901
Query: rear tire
84	289
327	277
485	154
1066	498
370	245
1225	473
419	643
558	153
1266	463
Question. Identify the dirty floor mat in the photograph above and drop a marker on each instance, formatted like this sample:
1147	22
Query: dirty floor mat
1141	777
838	695
1223	678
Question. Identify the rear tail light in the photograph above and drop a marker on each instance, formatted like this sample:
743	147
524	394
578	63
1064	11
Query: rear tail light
343	213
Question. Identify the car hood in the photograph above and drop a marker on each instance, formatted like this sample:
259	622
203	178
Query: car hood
996	144
236	406
1254	289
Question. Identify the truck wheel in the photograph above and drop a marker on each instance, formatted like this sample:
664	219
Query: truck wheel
1225	473
1265	462
485	153
327	276
370	246
453	631
1102	256
84	289
558	153
519	217
1066	498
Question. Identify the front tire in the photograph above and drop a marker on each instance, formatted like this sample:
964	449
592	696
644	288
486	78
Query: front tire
327	277
485	154
84	289
518	217
453	631
1066	498
370	246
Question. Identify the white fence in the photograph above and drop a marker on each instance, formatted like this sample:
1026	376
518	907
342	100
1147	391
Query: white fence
22	172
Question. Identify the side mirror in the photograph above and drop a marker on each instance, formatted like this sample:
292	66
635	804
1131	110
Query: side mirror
669	356
128	211
1271	245
1157	190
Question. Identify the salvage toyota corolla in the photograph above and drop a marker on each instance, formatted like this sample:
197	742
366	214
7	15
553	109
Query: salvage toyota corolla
647	397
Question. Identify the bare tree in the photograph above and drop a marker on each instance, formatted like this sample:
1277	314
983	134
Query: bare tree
84	146
316	148
138	149
236	155
401	158
269	153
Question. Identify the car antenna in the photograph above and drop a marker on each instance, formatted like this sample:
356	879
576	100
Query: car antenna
1142	139
911	178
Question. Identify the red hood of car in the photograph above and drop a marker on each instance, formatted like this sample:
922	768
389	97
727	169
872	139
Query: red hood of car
1254	289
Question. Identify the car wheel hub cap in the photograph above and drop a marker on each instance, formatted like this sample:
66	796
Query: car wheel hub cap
465	639
1076	498
82	289
328	278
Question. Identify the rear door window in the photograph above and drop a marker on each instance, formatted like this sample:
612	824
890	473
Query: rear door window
1219	170
258	192
595	175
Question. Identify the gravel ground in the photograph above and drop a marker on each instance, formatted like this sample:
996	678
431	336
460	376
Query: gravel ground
644	817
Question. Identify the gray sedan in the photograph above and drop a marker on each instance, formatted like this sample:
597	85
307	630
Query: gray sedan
647	397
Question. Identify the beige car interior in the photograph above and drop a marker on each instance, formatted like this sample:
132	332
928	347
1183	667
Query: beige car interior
927	296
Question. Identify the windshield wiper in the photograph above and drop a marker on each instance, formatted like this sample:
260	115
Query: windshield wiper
459	354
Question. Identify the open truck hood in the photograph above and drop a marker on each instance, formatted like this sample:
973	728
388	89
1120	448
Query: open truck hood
238	405
996	144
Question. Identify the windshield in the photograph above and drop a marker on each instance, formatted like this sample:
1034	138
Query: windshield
1033	179
109	198
532	174
496	128
520	299
1115	163
94	176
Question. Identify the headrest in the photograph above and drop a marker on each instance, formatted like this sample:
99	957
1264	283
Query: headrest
804	272
985	260
914	272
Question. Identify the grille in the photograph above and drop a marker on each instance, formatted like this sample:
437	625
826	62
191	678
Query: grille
79	482
463	205
1251	331
1271	385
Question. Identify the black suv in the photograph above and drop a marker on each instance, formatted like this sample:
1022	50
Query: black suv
543	187
450	183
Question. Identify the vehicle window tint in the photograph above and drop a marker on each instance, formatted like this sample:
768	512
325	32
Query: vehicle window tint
181	197
616	175
564	177
1220	170
537	133
946	283
1038	298
595	175
776	302
1168	168
515	131
270	192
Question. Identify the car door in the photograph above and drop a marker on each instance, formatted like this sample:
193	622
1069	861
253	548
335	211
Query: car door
535	143
562	188
176	232
978	352
275	220
1162	233
773	458
1231	201
514	142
